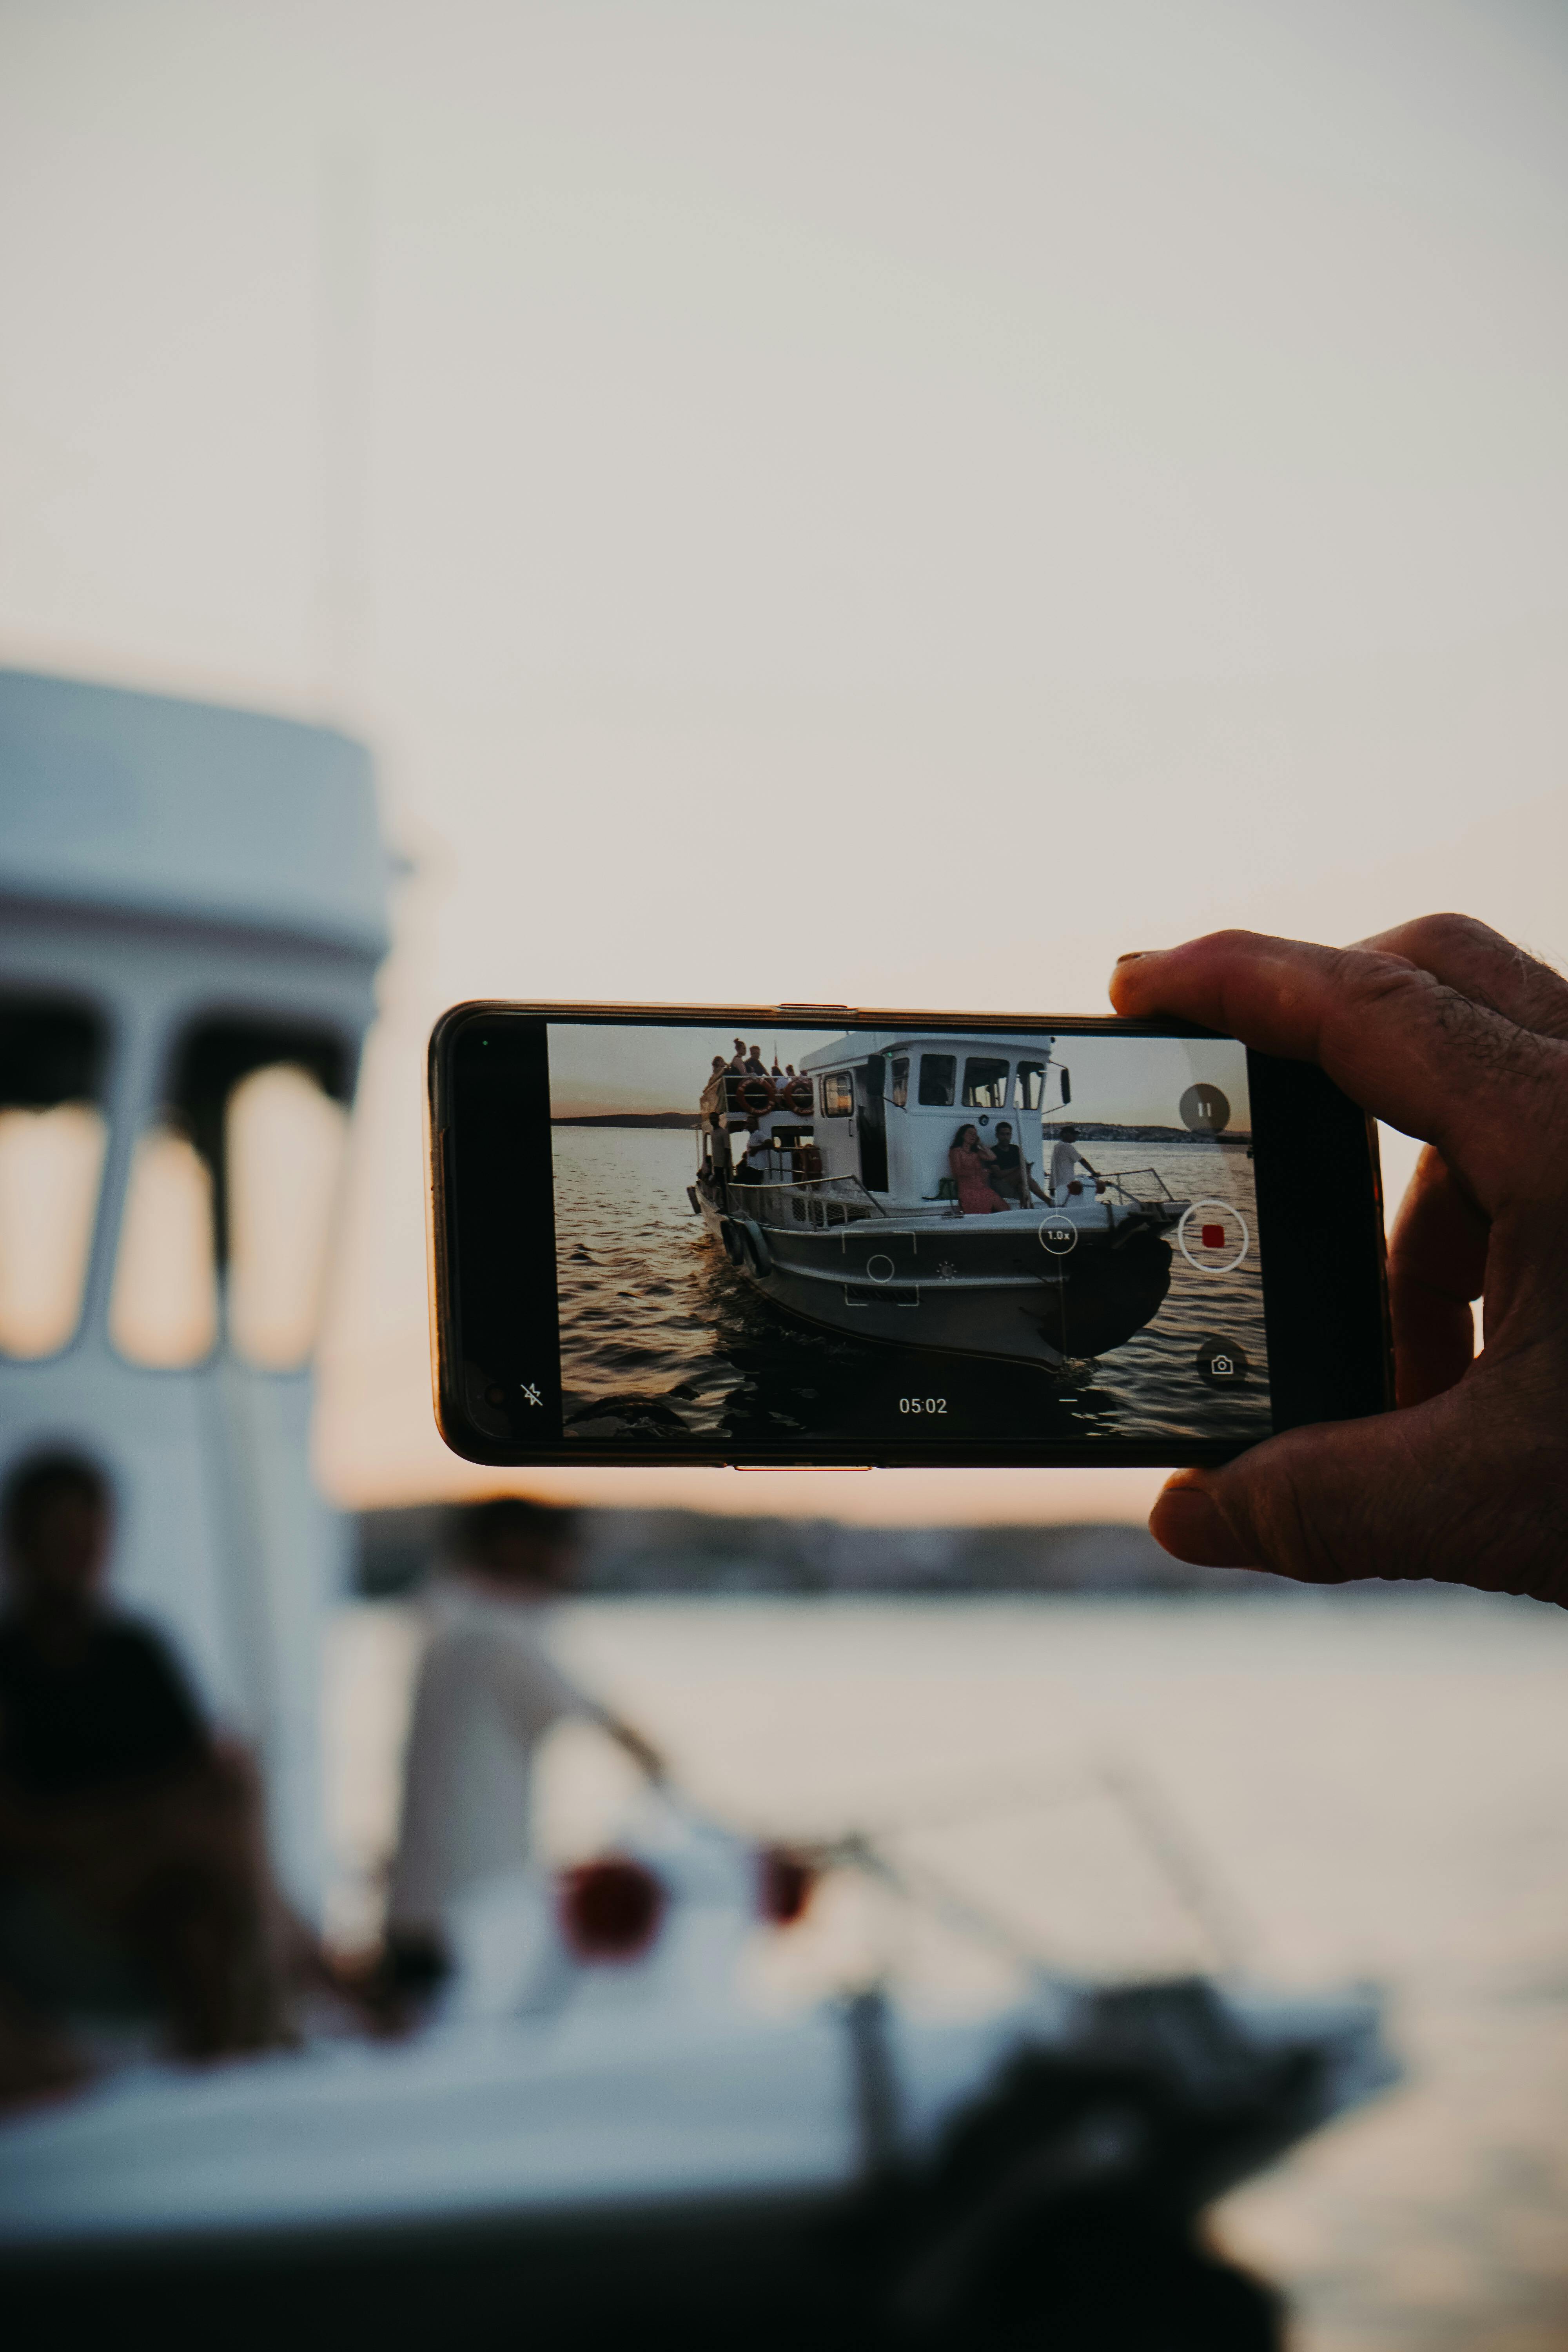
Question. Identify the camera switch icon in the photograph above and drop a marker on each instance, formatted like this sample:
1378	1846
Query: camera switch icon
1221	1363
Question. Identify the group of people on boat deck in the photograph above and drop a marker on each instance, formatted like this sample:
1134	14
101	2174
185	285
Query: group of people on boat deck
997	1176
751	1065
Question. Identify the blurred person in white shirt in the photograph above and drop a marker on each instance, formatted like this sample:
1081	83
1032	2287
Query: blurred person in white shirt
488	1691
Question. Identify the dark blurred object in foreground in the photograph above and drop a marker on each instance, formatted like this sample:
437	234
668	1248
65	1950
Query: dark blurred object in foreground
1057	2209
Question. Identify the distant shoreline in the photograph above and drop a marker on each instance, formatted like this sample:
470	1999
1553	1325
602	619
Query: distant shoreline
1087	1131
632	1119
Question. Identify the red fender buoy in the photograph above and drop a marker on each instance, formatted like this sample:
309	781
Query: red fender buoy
785	1884
611	1909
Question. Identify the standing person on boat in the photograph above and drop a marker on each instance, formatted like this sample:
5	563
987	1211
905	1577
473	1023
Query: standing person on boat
738	1058
1013	1171
1066	1157
970	1164
752	1163
487	1692
130	1840
755	1065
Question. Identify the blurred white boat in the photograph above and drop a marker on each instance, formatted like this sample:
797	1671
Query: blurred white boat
599	2114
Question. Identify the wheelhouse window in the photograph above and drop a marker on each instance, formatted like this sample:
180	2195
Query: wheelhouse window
284	1143
162	1310
837	1094
939	1073
52	1138
1031	1085
231	1199
985	1082
899	1088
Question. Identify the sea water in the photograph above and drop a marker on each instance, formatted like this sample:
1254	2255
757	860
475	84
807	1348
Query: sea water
1367	1789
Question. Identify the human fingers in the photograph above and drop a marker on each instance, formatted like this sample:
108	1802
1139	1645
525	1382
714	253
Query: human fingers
1437	1266
1484	966
1405	1494
1493	1097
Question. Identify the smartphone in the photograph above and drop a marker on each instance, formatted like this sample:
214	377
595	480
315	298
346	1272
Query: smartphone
805	1236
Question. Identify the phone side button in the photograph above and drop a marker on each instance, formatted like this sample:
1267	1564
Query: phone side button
785	1469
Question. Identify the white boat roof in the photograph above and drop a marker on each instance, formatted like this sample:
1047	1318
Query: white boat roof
862	1043
146	804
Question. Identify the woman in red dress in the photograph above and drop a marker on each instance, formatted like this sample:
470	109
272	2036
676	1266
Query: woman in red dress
969	1164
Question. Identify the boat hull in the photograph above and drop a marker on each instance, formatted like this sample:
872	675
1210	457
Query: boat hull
960	1286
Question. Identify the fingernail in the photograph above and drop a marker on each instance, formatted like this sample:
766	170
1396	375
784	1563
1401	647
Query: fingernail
1186	1523
1137	955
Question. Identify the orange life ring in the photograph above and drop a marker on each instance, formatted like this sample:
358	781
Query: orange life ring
799	1097
757	1094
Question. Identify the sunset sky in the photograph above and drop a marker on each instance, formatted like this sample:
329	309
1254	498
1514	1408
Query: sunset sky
1134	1081
886	501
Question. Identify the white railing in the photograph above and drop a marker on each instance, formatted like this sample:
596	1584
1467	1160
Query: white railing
818	1201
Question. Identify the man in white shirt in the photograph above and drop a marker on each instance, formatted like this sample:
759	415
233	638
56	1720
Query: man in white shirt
487	1692
1066	1157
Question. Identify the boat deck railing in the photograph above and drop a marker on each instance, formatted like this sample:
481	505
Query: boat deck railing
815	1201
1120	1183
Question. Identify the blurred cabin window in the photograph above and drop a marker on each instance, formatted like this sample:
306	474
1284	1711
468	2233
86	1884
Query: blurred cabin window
901	1087
229	1214
838	1095
985	1082
163	1310
1031	1085
284	1150
937	1074
52	1140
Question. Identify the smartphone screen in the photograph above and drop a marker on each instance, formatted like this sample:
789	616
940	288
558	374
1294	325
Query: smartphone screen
1001	1234
688	1239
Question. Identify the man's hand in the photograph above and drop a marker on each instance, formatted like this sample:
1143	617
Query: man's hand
1446	1031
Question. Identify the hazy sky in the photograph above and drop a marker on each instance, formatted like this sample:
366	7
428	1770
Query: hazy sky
1124	1081
869	501
628	1067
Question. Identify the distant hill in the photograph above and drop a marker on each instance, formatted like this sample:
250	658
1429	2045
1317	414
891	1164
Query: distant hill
633	1119
652	1551
1088	1130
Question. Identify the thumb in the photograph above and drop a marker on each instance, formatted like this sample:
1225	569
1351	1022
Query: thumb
1328	1504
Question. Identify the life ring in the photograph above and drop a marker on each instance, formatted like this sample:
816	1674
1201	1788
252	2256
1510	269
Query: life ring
734	1247
757	1094
756	1246
799	1097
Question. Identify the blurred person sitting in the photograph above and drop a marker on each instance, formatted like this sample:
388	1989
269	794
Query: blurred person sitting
755	1065
969	1164
1011	1173
130	1847
488	1691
